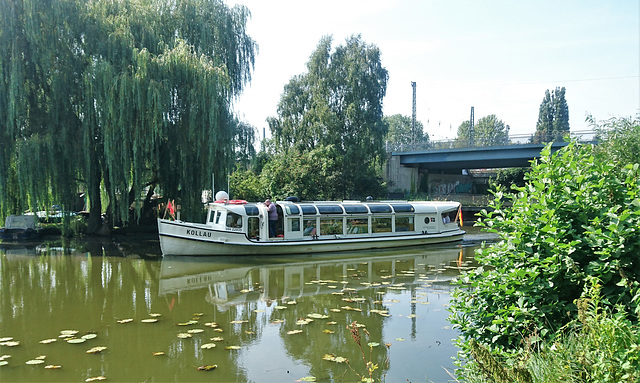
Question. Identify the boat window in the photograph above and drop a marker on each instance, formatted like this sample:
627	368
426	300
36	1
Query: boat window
357	225
309	227
405	223
218	214
379	208
330	226
254	227
234	220
403	208
309	209
294	224
451	216
355	209
212	215
292	209
381	224
251	209
329	209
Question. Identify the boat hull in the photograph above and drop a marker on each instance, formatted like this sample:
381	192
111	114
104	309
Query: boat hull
184	238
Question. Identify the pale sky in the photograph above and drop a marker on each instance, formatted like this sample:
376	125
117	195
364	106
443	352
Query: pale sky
497	56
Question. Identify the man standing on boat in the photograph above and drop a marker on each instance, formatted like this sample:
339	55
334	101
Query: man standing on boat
273	218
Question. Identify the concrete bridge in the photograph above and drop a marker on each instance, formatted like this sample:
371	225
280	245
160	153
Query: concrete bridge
443	172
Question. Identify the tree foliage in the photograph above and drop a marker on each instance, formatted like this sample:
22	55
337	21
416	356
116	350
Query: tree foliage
336	108
553	118
401	132
115	97
488	131
576	218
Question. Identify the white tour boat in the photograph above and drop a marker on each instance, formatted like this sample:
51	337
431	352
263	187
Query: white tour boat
235	227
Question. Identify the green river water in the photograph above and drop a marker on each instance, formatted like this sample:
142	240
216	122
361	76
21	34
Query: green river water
116	310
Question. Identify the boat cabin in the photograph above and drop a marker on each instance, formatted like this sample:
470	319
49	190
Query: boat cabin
331	220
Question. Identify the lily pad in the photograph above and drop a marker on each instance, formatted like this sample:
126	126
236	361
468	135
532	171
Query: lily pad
232	348
208	367
158	353
207	346
184	335
3	363
89	336
217	339
47	341
317	316
34	361
195	331
96	349
149	320
69	332
128	320
76	340
6	339
95	379
52	367
11	343
293	332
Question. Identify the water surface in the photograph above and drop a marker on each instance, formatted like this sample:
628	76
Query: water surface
258	319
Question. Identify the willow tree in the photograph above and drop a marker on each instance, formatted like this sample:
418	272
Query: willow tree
145	101
337	107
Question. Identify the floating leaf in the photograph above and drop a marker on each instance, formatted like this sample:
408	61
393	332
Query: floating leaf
47	341
34	361
277	321
41	357
208	368
125	320
232	348
89	336
11	343
6	339
373	344
281	307
3	363
327	331
217	339
292	303
149	320
335	310
239	321
211	324
207	346
69	332
95	379
76	340
218	330
317	316
307	379
52	367
155	315
184	335
195	331
293	332
332	323
96	350
189	323
158	353
304	321
3	357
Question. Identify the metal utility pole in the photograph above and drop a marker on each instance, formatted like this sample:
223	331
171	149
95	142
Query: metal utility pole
471	130
413	116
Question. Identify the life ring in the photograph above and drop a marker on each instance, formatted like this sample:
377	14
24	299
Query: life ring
232	202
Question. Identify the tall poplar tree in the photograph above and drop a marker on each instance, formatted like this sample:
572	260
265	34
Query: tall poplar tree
553	118
115	97
336	107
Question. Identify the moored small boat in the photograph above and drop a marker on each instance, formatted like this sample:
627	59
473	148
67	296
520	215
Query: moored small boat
236	227
20	227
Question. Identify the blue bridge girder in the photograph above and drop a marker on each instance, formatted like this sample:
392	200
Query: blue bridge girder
489	157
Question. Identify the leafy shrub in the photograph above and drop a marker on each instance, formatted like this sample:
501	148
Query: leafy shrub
577	216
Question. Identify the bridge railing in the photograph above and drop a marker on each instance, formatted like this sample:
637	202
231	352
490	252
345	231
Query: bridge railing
515	139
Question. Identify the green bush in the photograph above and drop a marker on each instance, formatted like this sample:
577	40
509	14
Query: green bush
577	216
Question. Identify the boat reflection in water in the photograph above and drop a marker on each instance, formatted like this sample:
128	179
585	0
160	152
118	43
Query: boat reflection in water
236	280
